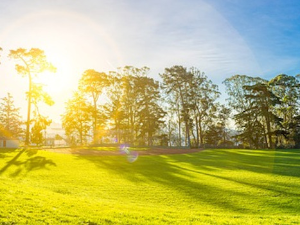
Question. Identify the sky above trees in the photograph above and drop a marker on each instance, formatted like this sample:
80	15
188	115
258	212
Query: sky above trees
220	37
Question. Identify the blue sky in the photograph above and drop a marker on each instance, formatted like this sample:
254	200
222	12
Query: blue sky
271	29
220	37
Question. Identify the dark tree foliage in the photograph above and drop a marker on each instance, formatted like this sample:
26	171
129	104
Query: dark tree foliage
287	89
265	112
150	113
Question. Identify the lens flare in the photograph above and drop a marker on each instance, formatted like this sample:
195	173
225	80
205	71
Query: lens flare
132	156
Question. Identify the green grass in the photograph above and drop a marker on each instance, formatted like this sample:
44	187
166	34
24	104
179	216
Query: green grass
100	148
209	187
115	148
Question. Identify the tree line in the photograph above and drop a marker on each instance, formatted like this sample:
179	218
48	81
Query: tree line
266	111
182	109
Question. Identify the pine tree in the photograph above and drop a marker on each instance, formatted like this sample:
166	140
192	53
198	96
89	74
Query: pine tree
10	119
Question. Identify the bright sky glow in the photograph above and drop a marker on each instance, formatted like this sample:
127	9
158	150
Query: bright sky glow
220	37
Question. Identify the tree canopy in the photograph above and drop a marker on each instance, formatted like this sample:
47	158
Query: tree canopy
30	63
180	109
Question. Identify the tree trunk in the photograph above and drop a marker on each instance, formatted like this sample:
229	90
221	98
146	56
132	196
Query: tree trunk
117	130
265	137
193	134
187	130
169	132
80	134
179	133
200	133
269	133
179	127
95	132
132	130
28	111
197	130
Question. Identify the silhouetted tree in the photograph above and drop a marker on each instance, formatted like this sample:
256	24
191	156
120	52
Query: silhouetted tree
150	113
32	62
213	134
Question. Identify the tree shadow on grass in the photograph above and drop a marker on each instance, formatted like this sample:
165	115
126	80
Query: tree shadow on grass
186	174
276	162
158	169
229	160
272	165
25	160
4	152
287	162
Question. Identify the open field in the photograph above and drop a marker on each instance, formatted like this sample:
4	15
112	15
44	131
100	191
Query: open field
208	187
100	151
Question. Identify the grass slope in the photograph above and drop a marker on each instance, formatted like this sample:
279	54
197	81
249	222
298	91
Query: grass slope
210	187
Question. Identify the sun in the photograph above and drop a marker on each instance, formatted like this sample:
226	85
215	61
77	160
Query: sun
56	83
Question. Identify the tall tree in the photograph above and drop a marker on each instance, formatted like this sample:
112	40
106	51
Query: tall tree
203	94
130	100
176	82
191	95
114	106
32	62
248	122
92	83
286	88
150	113
173	118
170	128
133	105
263	100
10	119
254	102
39	121
223	117
77	118
236	93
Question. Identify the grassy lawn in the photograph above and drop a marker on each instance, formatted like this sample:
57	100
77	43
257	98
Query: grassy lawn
114	148
209	187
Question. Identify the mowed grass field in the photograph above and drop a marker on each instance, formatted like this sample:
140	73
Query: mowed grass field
210	187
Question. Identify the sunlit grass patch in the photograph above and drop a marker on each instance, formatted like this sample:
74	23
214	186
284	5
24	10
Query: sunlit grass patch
117	148
139	148
210	187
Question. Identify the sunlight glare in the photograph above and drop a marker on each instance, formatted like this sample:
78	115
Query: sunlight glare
56	83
